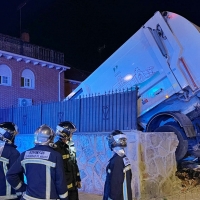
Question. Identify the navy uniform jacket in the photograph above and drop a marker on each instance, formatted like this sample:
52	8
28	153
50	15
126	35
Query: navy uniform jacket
70	165
118	179
43	168
8	155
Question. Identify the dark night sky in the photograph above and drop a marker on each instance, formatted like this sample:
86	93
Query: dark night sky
80	27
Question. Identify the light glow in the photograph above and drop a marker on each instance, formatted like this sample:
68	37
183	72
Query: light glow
128	77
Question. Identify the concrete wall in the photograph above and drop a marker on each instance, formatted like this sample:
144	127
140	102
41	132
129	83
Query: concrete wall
152	157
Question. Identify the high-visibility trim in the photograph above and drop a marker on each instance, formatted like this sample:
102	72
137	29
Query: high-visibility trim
63	195
38	161
12	196
109	171
27	197
127	168
18	186
5	162
125	193
18	193
48	165
48	181
188	75
69	186
78	174
65	156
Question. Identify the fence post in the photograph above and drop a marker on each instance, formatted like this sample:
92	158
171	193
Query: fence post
40	112
12	113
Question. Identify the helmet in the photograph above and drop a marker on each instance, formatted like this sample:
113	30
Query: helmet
8	130
116	139
44	135
65	129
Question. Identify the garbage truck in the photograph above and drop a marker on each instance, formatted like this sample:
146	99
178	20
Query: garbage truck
162	59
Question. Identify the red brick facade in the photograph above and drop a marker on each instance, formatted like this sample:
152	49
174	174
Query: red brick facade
46	83
70	86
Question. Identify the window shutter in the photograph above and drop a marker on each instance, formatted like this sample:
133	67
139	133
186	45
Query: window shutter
22	81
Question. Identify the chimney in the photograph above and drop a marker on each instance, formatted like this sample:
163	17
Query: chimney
25	36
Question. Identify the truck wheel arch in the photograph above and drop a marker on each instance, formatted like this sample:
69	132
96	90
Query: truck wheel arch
180	124
181	119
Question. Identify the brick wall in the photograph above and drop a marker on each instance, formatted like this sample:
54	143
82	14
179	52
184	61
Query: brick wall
46	84
70	86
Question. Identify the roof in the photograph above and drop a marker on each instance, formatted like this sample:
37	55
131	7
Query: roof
76	74
34	61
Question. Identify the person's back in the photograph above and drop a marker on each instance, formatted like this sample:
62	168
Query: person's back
43	168
39	164
8	155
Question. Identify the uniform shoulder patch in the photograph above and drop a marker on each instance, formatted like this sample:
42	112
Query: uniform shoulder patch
37	154
65	156
126	161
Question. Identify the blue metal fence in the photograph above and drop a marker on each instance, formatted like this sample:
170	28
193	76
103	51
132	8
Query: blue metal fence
95	113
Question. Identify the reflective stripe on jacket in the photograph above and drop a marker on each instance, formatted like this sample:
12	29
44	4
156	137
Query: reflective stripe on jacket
8	156
70	165
43	168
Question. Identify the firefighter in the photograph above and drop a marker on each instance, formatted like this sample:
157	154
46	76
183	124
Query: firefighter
43	168
8	155
66	147
118	179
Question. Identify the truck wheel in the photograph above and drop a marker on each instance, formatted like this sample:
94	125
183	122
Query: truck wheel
182	148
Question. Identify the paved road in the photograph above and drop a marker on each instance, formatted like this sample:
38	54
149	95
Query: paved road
85	196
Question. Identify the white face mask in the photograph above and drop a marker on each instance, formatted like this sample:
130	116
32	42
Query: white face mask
119	151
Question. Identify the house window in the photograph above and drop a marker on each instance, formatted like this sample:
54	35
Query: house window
4	80
5	75
26	82
28	79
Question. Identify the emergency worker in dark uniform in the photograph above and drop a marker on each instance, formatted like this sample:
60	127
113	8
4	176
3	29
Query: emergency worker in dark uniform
8	155
66	147
118	180
43	168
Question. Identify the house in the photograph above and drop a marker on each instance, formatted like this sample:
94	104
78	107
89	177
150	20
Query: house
29	74
73	78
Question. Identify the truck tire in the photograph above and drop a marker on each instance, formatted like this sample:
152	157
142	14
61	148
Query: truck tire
182	148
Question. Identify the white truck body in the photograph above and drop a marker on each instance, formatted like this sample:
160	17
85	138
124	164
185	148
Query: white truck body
162	59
